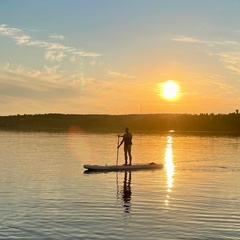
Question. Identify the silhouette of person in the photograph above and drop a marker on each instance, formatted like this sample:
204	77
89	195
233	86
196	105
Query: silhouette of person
127	140
126	194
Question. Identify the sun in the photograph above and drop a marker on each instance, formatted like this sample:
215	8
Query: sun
170	89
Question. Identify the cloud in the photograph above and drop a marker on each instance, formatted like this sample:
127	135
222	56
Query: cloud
6	31
219	85
118	74
60	37
185	39
50	46
193	40
16	34
231	60
20	38
55	56
87	54
226	50
234	69
51	70
45	85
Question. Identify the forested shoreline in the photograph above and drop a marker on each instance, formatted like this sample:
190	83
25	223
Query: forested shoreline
117	123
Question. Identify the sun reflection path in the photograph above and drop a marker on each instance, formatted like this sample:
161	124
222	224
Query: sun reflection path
169	166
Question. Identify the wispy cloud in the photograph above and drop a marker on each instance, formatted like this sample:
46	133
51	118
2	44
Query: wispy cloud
16	34
187	39
218	85
87	54
33	84
20	38
60	37
226	50
55	55
118	74
231	59
51	70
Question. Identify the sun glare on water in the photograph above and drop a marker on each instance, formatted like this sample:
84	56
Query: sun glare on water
170	89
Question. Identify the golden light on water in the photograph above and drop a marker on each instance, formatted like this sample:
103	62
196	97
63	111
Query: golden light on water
169	166
170	90
79	145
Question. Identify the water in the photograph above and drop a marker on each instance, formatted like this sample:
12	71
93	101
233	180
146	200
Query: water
45	194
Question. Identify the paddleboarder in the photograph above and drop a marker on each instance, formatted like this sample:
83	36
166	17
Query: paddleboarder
127	140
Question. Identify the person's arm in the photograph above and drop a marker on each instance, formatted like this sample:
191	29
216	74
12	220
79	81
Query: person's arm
120	143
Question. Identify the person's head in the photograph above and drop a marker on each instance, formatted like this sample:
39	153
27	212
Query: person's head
126	129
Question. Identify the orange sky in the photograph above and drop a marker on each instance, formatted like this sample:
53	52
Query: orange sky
111	57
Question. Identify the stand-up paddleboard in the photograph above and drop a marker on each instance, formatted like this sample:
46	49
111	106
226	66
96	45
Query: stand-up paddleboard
123	167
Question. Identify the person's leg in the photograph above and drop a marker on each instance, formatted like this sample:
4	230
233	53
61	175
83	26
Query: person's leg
125	154
130	154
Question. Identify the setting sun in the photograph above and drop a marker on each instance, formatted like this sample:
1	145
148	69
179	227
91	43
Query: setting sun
170	89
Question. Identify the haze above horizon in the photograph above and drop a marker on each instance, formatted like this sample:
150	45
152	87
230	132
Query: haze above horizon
114	57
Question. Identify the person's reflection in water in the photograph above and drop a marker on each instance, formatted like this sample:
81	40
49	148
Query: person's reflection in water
126	193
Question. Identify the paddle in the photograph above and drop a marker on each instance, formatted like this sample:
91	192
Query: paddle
117	150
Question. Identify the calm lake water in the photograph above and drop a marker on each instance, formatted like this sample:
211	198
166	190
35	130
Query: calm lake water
45	194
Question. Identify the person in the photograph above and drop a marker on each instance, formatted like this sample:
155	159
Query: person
127	140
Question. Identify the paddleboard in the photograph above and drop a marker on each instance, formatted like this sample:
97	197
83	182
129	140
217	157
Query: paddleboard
123	167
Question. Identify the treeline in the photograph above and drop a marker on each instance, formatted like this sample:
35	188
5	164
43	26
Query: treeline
117	123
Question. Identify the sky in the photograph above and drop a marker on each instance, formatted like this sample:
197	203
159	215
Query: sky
114	56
